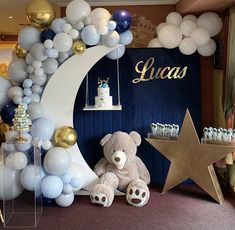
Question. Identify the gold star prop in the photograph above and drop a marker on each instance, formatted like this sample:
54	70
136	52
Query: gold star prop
191	159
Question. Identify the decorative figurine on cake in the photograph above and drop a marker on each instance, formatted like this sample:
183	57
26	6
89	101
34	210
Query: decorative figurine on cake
103	99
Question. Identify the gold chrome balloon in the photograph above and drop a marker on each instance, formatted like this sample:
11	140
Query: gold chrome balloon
40	13
20	52
79	47
3	129
65	137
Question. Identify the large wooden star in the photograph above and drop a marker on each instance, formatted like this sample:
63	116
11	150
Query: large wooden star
191	159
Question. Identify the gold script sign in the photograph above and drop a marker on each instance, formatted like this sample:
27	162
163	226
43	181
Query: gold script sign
147	71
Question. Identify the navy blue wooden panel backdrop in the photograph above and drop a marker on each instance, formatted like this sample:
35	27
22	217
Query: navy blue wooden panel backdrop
157	100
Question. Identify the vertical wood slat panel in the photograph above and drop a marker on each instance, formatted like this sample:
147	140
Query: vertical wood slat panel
158	100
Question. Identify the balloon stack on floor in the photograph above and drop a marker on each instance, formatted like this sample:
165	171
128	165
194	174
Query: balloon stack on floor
41	49
189	33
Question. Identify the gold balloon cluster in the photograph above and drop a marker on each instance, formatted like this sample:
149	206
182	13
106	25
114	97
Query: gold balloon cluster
40	13
79	47
3	129
65	137
20	52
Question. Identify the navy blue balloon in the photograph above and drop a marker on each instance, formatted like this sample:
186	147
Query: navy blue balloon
123	20
8	112
47	34
47	201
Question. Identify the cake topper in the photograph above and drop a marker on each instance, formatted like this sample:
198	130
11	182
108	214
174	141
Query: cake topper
103	83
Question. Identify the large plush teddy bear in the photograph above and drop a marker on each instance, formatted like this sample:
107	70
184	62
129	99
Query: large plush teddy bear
121	169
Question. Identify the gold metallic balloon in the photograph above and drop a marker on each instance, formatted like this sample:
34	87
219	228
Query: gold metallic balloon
79	47
40	13
3	129
65	137
20	52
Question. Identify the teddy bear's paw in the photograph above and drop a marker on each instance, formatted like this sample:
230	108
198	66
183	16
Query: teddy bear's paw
99	199
137	196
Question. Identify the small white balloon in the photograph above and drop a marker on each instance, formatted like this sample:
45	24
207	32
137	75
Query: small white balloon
30	69
17	160
74	34
29	59
37	89
48	44
170	36
87	21
112	25
46	144
159	27
190	17
187	46
208	49
99	14
187	27
111	39
65	200
174	18
211	22
37	64
62	42
35	97
154	43
39	72
38	52
126	37
15	91
67	189
200	36
79	25
67	27
103	30
17	100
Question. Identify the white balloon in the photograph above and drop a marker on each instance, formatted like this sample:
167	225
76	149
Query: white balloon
187	46
154	43
74	34
174	18
126	37
170	36
187	27
48	44
17	70
10	186
35	110
159	27
63	42
112	25
211	22
99	14
200	36
208	49
103	30
50	65
67	27
39	80
77	10
15	91
111	39
5	85
37	64
77	171
28	36
87	21
190	17
46	145
57	161
117	53
17	160
38	52
29	59
65	200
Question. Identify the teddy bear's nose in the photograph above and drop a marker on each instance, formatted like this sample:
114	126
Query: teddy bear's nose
117	159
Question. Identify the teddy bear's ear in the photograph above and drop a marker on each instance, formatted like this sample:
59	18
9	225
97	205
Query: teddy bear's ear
105	139
136	137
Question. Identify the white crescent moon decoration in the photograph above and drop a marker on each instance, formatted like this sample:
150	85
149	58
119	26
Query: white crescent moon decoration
59	97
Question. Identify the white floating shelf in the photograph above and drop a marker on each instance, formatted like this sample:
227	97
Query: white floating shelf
93	107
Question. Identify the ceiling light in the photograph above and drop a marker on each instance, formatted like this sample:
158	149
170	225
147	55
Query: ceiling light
10	17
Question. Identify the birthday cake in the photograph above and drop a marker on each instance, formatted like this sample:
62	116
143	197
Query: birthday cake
103	99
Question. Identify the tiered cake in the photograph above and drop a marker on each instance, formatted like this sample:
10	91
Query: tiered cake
103	99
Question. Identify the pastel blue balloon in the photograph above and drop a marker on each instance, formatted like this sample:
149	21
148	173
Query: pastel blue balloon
38	52
27	83
111	38
51	53
35	97
111	25
27	91
17	70
31	177
25	146
66	178
35	110
28	36
126	37
39	80
52	186
117	53
90	35
67	189
75	182
27	100
43	128
50	65
37	89
57	25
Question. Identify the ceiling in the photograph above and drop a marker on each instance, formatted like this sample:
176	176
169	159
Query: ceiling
17	9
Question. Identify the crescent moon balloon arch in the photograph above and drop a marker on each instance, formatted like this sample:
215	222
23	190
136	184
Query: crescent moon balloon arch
60	93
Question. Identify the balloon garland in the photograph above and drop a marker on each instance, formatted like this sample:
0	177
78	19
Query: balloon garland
189	33
42	47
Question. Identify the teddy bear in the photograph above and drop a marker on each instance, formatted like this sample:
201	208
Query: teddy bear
121	169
